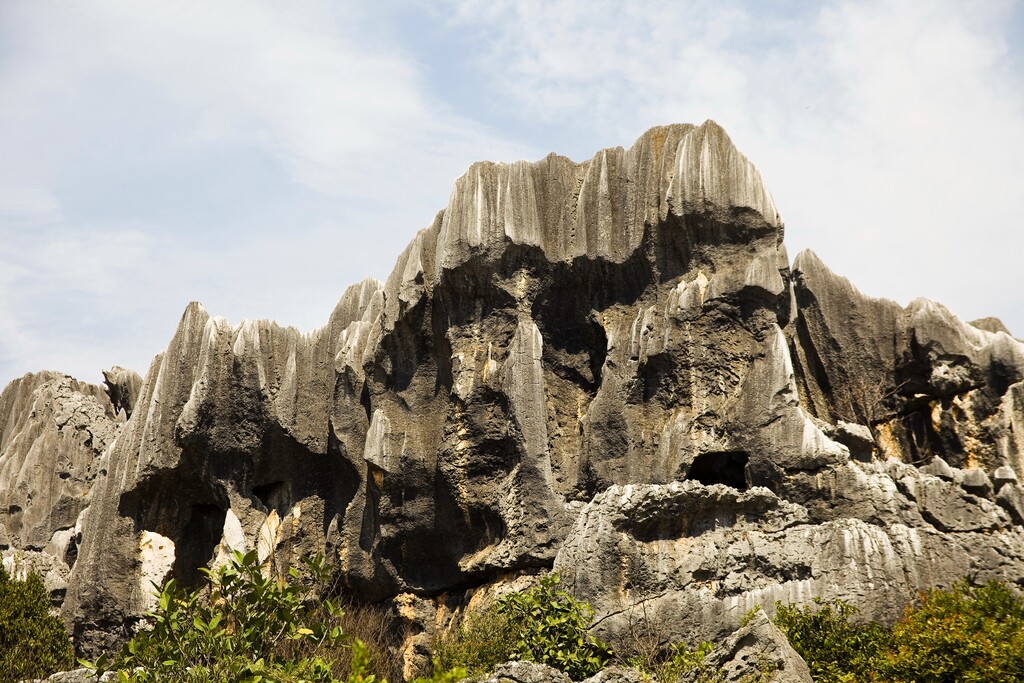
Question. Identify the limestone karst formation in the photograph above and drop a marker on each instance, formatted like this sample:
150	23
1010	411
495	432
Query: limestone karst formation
611	368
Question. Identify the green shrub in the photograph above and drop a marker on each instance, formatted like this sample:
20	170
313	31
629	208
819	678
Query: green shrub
442	675
543	624
835	650
244	627
682	662
484	639
551	628
967	634
33	643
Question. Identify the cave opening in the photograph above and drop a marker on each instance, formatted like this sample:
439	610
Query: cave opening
273	496
197	542
722	467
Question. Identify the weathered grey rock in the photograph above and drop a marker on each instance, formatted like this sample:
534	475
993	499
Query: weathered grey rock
53	433
843	345
990	324
562	336
857	438
759	648
1004	475
976	482
617	674
526	351
948	509
77	676
940	468
123	387
698	558
525	672
1011	498
53	570
229	447
878	493
925	382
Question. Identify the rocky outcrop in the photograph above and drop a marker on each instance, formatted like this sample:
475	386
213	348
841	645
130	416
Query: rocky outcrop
758	650
525	672
53	433
77	676
699	558
229	447
607	367
926	383
122	386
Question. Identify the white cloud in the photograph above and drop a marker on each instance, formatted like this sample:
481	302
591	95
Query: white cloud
890	132
71	294
23	207
165	146
303	82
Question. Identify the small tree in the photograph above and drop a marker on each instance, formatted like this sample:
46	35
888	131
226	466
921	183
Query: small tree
33	642
542	624
967	634
551	626
244	627
836	651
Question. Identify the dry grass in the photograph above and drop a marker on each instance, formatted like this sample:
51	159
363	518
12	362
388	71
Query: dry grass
376	626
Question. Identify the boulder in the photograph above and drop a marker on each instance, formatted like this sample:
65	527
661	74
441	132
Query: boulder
759	648
525	672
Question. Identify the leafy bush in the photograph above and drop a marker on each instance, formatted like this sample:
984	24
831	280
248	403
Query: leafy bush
33	643
835	650
484	639
968	634
543	624
551	628
244	627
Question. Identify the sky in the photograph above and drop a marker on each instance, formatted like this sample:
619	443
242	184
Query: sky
260	156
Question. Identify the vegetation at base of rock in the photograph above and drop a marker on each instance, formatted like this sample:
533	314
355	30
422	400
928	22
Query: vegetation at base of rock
543	624
679	662
551	627
33	643
836	650
967	634
245	627
547	625
248	627
480	642
643	647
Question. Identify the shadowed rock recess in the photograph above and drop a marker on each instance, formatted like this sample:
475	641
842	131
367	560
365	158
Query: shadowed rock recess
608	367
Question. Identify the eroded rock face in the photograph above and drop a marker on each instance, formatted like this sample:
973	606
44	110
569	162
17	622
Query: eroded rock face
123	387
604	366
926	383
698	558
53	433
759	647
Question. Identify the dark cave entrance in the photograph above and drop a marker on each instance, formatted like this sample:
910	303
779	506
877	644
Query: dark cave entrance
196	543
723	467
273	496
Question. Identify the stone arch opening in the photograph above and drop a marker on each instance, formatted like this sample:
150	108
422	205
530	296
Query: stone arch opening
721	467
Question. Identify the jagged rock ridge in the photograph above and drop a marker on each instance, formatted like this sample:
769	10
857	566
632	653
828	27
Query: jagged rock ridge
564	345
